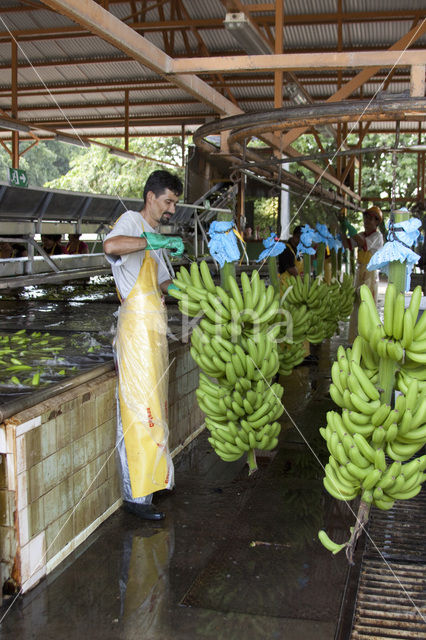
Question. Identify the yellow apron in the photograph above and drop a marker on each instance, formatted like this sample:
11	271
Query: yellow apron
142	356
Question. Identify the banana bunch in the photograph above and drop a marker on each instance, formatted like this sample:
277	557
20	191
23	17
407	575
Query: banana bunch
235	343
240	418
410	436
367	430
356	466
354	375
250	310
313	297
346	298
228	362
400	337
372	443
290	355
295	322
331	319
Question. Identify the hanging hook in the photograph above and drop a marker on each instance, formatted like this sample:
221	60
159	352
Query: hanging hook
395	166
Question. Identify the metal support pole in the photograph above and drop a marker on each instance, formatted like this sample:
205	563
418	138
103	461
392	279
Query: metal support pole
14	83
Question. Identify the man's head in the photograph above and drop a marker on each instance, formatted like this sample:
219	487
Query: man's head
48	240
161	193
296	234
372	217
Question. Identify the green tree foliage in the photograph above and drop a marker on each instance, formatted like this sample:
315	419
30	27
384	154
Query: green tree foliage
45	161
266	215
98	171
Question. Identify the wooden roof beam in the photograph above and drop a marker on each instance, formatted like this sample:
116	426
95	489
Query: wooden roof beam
300	61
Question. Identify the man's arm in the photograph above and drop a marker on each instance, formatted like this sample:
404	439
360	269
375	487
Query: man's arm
123	245
292	271
164	285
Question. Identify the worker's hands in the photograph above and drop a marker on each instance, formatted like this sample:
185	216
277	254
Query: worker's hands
172	286
158	241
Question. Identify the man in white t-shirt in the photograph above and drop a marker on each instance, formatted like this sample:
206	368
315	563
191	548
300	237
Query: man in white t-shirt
135	251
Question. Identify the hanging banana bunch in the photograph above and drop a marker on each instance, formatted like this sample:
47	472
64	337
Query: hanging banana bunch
234	344
371	441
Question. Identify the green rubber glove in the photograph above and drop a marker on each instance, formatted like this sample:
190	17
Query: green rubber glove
349	228
158	241
172	286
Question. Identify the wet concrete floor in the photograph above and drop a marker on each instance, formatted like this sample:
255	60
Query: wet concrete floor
237	557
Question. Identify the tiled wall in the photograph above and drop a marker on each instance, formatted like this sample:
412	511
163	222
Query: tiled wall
58	475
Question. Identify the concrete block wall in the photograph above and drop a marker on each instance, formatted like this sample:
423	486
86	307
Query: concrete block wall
58	474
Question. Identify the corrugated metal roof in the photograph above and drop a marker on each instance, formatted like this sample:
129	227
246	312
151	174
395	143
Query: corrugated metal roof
87	75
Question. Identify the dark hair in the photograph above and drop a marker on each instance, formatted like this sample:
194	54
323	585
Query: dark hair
297	230
159	181
55	237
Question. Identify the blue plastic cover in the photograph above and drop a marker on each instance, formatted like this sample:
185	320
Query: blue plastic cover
335	243
307	237
401	236
273	247
223	245
323	233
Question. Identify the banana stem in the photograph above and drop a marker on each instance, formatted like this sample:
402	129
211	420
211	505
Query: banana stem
361	521
387	370
227	270
339	262
333	263
251	459
273	274
307	265
320	258
398	270
351	262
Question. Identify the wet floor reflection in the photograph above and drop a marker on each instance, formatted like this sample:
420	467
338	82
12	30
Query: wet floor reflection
143	581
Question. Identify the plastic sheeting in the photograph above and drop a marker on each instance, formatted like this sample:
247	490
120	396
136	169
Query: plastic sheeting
401	236
273	248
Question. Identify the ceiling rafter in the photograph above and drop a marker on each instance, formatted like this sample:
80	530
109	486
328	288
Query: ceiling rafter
220	92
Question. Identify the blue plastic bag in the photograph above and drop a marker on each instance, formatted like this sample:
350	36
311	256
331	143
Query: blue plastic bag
401	236
223	245
307	237
273	248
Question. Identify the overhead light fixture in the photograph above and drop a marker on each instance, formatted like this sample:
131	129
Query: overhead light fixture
295	94
121	153
70	140
246	34
12	125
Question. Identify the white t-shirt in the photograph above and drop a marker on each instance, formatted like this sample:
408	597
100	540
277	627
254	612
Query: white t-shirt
125	269
373	242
